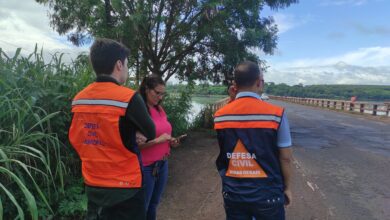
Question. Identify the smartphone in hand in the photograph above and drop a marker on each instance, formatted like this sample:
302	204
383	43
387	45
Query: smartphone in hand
181	137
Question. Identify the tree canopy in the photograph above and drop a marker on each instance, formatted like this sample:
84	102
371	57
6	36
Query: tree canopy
202	39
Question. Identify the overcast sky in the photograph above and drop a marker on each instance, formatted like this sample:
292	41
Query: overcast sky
319	35
320	41
25	23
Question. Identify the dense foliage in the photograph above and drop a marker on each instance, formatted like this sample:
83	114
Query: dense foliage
177	106
39	171
200	90
203	39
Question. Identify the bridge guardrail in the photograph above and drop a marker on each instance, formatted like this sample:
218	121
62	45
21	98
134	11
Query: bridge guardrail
209	111
373	108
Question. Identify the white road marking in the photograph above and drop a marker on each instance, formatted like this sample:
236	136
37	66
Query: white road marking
310	185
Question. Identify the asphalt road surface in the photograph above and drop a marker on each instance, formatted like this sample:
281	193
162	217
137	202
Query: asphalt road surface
341	169
345	161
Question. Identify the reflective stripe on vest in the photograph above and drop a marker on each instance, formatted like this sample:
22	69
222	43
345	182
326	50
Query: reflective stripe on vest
95	135
248	112
224	118
100	102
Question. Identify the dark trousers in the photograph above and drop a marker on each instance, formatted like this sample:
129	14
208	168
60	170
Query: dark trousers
132	208
253	210
155	178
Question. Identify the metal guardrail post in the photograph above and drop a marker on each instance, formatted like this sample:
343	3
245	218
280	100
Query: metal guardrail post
387	104
362	108
351	107
344	105
374	109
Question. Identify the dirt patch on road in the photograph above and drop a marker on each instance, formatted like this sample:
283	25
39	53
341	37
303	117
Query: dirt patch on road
194	187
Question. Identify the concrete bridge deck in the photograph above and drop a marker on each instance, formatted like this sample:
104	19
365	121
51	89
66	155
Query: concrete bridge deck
341	169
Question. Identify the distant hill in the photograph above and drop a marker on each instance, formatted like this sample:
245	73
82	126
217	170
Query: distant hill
345	92
339	73
202	90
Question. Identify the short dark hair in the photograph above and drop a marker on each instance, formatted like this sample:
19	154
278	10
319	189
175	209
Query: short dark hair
246	73
104	53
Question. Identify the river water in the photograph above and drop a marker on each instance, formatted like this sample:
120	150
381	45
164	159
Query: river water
195	110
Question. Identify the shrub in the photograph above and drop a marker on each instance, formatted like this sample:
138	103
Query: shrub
177	106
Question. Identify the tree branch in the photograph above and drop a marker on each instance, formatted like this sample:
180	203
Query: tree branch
158	24
168	28
171	73
108	9
164	51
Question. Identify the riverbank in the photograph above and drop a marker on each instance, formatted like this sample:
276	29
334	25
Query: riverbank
211	99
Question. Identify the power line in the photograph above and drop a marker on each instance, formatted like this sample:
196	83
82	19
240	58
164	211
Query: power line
14	45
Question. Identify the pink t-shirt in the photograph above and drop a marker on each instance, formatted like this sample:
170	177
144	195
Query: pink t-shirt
156	152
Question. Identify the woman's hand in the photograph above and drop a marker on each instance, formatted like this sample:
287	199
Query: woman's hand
142	144
140	138
163	138
174	142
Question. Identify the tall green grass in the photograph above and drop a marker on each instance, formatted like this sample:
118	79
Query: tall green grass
39	171
35	159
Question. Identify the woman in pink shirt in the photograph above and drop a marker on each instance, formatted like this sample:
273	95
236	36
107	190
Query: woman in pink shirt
155	152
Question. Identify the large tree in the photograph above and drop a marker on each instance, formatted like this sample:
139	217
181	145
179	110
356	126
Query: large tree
201	39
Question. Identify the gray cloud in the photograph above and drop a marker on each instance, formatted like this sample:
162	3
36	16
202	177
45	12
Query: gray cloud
4	13
336	35
25	24
342	2
31	12
339	73
371	56
286	22
376	30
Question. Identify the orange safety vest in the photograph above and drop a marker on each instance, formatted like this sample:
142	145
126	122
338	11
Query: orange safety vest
248	113
94	133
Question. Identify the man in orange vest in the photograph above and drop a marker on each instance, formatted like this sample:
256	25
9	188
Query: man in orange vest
105	119
255	155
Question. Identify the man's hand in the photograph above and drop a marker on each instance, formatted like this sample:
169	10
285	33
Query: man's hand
288	199
285	158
